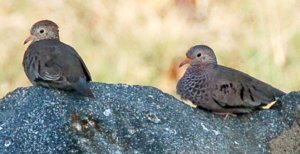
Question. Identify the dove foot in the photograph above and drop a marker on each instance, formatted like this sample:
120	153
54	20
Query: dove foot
225	114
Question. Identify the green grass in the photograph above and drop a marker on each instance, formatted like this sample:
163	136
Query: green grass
135	41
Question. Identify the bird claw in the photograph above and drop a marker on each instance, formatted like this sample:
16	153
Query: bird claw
225	114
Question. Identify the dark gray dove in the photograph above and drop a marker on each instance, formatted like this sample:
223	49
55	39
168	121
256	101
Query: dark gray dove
51	63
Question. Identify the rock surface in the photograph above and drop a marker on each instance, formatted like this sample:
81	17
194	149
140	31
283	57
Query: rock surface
135	119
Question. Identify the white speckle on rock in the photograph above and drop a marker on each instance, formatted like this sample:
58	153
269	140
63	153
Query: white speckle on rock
150	96
83	141
151	141
124	85
172	131
7	143
216	132
1	128
77	126
131	131
107	112
152	117
206	129
235	142
32	131
118	152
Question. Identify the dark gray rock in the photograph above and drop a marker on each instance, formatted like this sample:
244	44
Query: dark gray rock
132	119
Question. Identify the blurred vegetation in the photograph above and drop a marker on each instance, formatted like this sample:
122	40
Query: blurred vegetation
141	41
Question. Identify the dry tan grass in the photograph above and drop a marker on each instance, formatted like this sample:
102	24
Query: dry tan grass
136	41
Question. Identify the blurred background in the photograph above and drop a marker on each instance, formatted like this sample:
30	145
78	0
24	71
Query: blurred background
142	41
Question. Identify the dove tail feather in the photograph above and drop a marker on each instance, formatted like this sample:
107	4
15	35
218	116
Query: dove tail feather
82	87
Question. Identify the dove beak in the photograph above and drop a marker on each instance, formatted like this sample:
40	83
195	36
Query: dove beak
30	38
185	61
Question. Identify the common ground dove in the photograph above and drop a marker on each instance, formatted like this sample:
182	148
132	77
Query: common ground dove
51	63
221	89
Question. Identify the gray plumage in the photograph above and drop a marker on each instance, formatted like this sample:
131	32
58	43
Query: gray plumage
221	89
51	63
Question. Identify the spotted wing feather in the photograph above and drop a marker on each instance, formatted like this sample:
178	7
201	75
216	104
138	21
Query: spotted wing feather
235	89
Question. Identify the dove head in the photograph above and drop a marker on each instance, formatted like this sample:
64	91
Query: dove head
44	29
200	55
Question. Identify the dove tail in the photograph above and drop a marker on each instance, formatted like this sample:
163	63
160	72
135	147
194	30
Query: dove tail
280	93
82	87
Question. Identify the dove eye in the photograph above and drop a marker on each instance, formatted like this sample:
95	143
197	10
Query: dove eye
42	31
199	55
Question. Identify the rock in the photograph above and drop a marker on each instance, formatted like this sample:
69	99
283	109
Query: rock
288	142
133	119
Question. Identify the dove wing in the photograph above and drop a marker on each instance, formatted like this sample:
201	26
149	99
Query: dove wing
235	89
76	57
